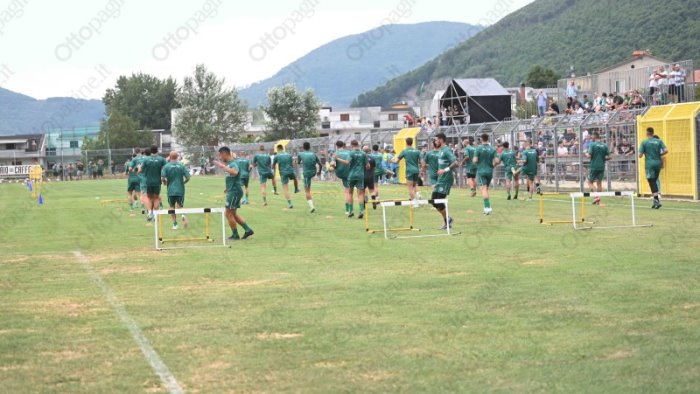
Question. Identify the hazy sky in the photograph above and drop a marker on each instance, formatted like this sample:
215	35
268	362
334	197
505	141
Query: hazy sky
78	47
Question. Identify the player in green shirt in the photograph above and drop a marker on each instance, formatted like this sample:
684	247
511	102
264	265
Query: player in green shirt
379	170
134	180
528	162
430	164
447	164
412	158
357	165
342	155
234	193
468	163
509	159
311	167
244	167
175	175
284	162
599	153
485	160
653	150
151	168
263	163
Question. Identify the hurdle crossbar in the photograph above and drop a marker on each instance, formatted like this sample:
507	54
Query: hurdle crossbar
375	203
412	204
629	194
159	240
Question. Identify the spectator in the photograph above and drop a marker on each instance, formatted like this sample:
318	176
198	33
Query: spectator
653	83
571	94
587	103
80	167
677	86
542	102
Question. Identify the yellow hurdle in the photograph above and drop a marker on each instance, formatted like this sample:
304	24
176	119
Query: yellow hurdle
400	229
553	222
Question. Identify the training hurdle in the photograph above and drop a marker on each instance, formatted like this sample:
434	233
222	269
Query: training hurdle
160	241
553	222
629	194
413	204
375	203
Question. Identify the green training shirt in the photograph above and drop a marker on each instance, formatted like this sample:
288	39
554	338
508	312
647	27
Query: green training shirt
652	149
342	170
531	157
469	153
486	154
308	161
508	159
175	173
599	151
412	157
379	160
151	168
285	162
445	181
432	161
243	167
358	162
233	182
262	161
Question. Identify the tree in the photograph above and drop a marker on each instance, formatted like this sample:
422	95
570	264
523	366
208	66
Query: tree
144	98
211	114
539	77
291	113
119	131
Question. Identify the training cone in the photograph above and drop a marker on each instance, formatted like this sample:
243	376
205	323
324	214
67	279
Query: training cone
41	199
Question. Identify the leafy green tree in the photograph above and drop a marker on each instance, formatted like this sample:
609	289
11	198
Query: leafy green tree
211	114
540	77
144	98
119	131
291	113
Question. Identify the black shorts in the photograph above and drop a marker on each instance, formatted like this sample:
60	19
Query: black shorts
439	196
369	182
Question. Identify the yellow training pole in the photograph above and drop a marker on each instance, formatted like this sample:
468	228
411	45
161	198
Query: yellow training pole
541	208
206	225
410	217
583	209
367	218
160	229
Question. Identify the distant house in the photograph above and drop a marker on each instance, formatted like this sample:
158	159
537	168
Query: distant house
18	152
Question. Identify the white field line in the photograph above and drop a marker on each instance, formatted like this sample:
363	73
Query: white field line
149	353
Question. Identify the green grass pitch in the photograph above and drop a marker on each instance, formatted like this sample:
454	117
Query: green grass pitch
313	304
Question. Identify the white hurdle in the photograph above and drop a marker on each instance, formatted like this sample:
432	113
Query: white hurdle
414	203
158	225
629	194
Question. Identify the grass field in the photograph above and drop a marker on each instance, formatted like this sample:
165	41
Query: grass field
312	303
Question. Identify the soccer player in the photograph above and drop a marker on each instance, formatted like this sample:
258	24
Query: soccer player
509	159
430	164
341	157
263	163
244	167
151	168
412	157
372	177
485	160
312	167
234	194
447	163
134	180
357	165
285	164
599	153
379	171
653	150
528	162
468	162
175	175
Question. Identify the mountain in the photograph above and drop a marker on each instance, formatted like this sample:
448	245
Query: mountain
588	34
346	67
20	114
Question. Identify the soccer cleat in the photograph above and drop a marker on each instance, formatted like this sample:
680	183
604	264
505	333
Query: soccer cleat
361	216
473	193
488	211
296	190
351	215
248	234
312	210
450	222
265	204
596	201
185	222
174	226
509	197
538	190
234	238
290	206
